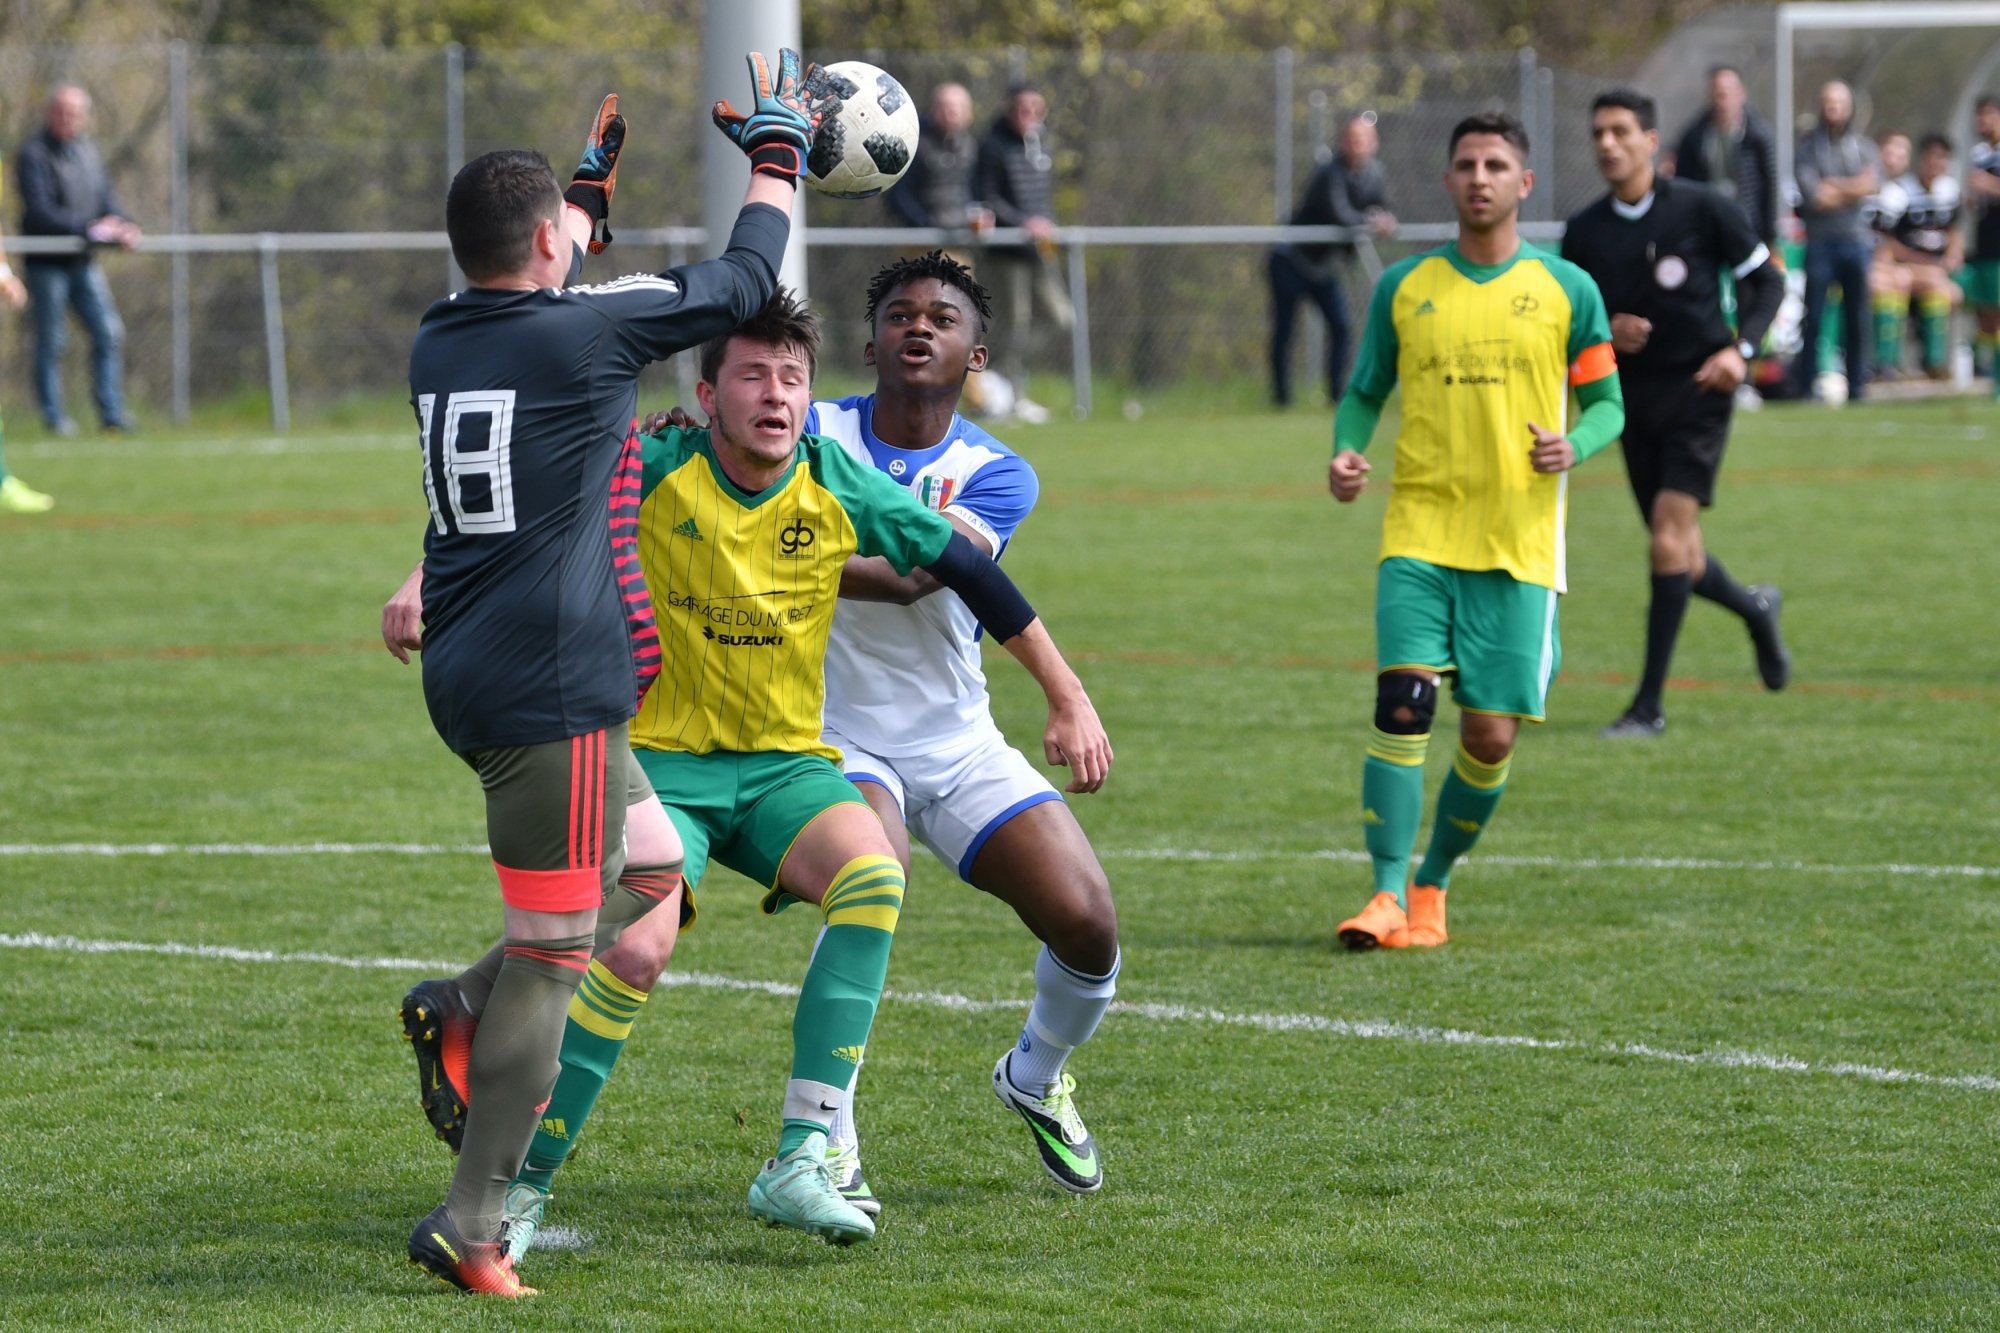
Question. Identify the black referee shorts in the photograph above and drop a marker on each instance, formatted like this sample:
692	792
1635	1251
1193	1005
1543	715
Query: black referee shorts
1675	432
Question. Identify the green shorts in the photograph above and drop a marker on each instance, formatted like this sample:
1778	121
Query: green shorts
1495	635
744	810
1981	280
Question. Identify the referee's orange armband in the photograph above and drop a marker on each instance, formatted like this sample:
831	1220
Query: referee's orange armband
1593	365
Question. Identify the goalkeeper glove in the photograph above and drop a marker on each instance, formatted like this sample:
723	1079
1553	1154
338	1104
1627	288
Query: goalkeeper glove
778	132
596	176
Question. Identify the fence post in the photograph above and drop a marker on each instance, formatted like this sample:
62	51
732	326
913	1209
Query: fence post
177	191
1545	171
274	334
1079	334
684	367
1282	120
454	136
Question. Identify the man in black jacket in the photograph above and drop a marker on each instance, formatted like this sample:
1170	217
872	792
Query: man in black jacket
1730	150
1017	185
1348	190
65	191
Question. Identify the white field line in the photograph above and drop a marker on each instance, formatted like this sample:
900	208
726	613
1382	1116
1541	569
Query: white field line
1158	1013
1128	854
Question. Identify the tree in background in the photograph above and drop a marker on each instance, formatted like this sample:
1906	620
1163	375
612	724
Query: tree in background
1606	34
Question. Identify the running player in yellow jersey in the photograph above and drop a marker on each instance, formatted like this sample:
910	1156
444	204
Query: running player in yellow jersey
1486	336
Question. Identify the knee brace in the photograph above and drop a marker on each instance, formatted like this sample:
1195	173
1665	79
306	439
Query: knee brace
1395	691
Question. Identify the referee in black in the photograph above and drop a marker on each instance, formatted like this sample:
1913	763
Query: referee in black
1659	250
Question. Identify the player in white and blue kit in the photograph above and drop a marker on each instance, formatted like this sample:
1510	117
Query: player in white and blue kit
906	703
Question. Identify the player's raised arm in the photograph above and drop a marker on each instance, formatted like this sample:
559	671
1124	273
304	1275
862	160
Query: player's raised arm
658	316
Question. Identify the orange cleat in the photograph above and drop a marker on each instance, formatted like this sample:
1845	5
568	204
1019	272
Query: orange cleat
437	1247
1381	925
440	1029
1426	916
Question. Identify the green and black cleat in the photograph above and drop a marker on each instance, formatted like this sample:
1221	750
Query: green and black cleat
1067	1151
439	1029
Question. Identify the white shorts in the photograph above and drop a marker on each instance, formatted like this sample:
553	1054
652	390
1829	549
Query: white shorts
953	801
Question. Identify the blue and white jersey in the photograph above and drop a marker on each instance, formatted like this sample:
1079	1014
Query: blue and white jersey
905	680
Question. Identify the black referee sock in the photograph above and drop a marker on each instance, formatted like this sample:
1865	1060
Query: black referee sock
1663	627
1718	587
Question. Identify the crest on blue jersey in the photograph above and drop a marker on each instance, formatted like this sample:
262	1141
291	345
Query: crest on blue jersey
935	492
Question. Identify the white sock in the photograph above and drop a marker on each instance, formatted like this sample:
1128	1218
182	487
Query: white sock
1068	1007
842	1134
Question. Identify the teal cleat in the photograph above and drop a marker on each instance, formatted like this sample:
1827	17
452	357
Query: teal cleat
799	1192
844	1165
522	1218
1068	1152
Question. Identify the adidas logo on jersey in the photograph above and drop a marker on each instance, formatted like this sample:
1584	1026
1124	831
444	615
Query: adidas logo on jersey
1427	308
686	528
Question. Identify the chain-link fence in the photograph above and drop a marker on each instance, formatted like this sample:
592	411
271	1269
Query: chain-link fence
287	139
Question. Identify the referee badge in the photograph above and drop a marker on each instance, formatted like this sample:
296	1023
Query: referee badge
1671	272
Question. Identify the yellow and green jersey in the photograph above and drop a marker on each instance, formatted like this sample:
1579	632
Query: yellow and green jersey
743	588
1481	351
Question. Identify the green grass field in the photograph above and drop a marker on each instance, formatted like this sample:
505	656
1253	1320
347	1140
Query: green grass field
187	656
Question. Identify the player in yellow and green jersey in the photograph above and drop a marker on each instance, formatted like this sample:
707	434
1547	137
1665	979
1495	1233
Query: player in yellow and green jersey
1486	336
745	530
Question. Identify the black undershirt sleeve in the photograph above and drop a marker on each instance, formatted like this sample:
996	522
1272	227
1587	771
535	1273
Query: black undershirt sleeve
983	586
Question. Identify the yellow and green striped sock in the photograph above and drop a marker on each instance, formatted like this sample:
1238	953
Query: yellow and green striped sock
1934	319
842	988
1890	311
600	1021
1465	805
1392	805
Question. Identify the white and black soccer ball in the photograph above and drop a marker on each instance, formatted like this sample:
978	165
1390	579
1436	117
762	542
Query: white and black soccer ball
868	139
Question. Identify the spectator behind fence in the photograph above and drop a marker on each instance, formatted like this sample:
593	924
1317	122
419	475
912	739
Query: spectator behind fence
937	191
1017	186
65	191
1347	191
1836	171
1731	149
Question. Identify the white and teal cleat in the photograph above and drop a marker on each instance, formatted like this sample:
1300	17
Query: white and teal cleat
522	1218
843	1163
1068	1152
799	1192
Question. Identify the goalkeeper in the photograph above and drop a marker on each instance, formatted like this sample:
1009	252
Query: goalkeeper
1486	335
538	634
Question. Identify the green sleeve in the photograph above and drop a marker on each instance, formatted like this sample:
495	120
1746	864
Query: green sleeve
888	520
1589	323
662	453
1355	420
1375	360
1602	419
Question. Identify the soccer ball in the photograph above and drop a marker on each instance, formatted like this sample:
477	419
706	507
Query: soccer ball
868	138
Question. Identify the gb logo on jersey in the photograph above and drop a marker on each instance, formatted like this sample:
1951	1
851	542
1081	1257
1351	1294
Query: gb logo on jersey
795	539
935	492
